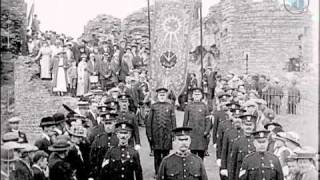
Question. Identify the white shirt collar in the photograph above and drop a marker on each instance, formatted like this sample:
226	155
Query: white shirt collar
46	136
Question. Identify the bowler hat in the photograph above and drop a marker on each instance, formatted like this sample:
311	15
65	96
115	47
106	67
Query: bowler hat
47	121
59	117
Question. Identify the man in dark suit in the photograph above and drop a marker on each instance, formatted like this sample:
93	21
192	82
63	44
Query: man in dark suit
23	169
48	125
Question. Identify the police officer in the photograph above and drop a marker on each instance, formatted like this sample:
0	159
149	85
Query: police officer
242	146
261	164
161	121
122	161
182	164
125	115
102	143
230	136
197	116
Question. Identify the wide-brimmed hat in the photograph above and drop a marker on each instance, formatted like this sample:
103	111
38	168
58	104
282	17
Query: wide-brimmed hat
12	145
305	152
60	145
15	119
47	121
10	137
28	148
77	131
293	137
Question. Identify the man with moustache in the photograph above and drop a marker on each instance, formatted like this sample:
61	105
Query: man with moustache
102	143
182	164
161	121
122	161
230	136
242	146
261	164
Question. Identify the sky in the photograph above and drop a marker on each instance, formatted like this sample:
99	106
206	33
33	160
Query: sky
70	16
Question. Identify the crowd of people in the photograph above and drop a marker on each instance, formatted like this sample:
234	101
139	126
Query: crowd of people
100	138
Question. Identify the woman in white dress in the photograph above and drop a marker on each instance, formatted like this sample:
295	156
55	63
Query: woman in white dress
83	78
60	66
45	61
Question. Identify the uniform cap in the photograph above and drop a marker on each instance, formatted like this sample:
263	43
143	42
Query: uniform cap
123	126
109	116
83	55
260	134
233	105
182	131
197	90
248	118
123	97
103	108
10	136
272	123
162	90
14	119
115	89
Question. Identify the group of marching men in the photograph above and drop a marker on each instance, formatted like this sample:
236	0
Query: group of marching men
100	140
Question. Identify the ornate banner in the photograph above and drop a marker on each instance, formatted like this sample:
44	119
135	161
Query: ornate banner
171	43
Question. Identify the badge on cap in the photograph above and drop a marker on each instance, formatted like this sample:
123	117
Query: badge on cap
237	111
233	106
112	103
248	118
261	134
104	109
123	126
107	116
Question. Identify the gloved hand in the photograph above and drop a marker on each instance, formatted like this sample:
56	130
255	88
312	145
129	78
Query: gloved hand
137	147
214	145
224	172
219	162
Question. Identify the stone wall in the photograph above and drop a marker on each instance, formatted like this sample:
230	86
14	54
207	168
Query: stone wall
265	30
33	100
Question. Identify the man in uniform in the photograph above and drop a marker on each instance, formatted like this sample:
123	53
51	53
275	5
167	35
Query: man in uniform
196	116
220	115
230	136
102	143
182	164
122	161
126	115
14	127
242	146
161	121
261	164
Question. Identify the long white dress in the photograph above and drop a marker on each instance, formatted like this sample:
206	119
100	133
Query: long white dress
45	63
81	85
61	78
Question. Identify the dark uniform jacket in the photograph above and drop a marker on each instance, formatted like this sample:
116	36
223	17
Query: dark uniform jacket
38	174
131	118
159	124
195	116
240	148
229	137
102	143
22	171
219	116
223	127
261	165
59	169
122	163
77	163
182	167
94	131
